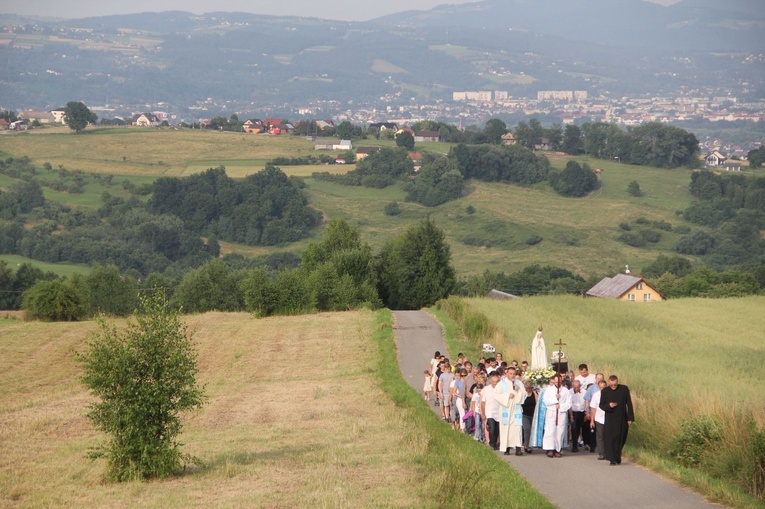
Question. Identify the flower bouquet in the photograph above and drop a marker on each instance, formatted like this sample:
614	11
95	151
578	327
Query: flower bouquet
539	377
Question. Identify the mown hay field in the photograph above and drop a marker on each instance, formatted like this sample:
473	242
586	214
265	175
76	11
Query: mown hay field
295	418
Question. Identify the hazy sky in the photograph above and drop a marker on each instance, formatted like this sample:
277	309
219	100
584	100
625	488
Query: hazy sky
356	10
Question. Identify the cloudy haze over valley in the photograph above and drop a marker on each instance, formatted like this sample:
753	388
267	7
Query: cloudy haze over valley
356	10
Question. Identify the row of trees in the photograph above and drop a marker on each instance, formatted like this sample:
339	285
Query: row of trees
337	273
266	208
650	144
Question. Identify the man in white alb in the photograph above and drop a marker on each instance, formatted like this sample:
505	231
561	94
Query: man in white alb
558	402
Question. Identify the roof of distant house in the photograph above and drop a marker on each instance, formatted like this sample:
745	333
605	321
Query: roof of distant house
615	287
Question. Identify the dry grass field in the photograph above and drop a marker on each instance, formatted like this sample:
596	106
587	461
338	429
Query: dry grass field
295	418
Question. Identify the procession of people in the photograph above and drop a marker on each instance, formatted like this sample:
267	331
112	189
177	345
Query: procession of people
516	408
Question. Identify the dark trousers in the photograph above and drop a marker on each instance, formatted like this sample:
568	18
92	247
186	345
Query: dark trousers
576	429
493	433
600	440
527	420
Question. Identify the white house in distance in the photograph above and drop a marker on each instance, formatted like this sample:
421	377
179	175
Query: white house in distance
59	115
714	159
145	120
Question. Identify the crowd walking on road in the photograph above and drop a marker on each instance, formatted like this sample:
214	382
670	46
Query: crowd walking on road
496	403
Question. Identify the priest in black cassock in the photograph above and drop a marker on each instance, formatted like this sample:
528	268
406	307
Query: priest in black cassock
616	402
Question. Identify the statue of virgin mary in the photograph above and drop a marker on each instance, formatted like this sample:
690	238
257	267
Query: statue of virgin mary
538	352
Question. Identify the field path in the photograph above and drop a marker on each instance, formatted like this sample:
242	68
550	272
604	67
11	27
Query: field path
575	481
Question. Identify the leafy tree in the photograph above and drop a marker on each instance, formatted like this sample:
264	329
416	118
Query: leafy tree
697	242
416	268
576	180
29	194
378	170
213	286
144	378
756	157
494	130
437	182
54	301
110	292
633	189
260	293
9	115
673	264
405	140
78	116
347	131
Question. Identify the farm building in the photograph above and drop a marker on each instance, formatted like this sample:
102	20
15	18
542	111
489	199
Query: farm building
625	287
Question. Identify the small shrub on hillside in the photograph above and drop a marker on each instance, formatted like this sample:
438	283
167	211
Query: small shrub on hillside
392	209
633	189
683	229
625	226
662	225
470	209
650	235
642	220
632	239
533	240
697	438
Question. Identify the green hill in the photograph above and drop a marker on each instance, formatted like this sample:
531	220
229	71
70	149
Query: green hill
579	234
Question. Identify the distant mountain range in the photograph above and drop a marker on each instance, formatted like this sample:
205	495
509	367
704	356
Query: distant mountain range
521	46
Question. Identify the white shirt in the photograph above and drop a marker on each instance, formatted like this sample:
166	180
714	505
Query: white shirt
586	381
577	401
477	402
492	405
600	415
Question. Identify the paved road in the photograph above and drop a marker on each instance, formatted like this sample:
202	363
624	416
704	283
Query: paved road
578	479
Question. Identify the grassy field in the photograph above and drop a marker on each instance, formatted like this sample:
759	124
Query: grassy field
165	152
578	234
297	416
61	269
683	359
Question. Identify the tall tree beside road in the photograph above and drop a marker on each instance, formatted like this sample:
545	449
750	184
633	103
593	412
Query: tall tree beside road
78	116
415	268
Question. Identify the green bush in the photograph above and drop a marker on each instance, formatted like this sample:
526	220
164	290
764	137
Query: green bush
697	438
392	209
533	240
650	235
143	379
632	239
54	301
642	220
662	225
625	226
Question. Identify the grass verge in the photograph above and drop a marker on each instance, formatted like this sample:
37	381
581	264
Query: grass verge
463	473
684	365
